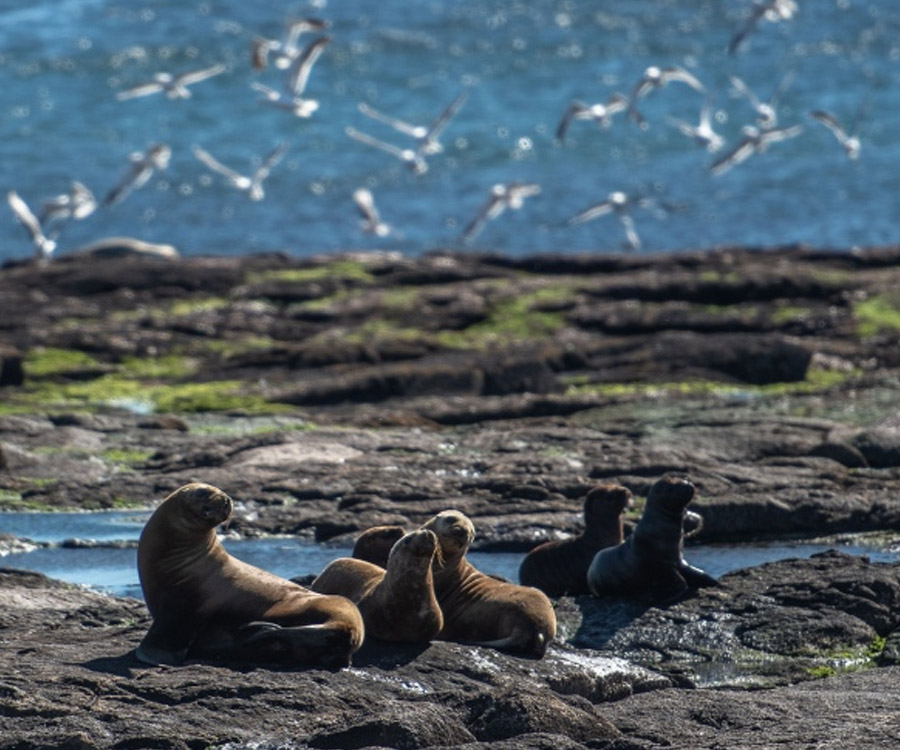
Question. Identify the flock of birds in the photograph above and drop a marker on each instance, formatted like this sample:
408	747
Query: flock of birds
297	62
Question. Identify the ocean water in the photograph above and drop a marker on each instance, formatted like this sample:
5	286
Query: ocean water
62	62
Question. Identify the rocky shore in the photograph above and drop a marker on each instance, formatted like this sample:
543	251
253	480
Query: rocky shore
331	394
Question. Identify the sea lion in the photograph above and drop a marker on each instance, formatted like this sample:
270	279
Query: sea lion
560	567
651	560
206	603
123	247
397	602
479	608
374	544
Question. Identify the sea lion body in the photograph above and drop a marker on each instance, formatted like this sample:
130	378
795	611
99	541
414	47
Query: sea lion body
651	561
481	609
560	567
374	544
206	603
398	602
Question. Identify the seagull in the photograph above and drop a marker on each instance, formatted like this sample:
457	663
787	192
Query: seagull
78	203
425	135
656	78
252	185
753	141
142	167
601	113
411	157
43	245
849	139
619	203
503	195
176	87
291	96
766	115
702	133
773	11
371	220
286	50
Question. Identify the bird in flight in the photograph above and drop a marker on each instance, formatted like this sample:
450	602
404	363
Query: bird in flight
601	113
43	245
753	141
175	86
251	184
141	169
503	195
291	95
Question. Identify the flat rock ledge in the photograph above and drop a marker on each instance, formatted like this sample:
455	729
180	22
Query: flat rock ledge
818	633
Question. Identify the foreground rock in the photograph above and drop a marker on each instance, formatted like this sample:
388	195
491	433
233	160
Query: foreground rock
68	676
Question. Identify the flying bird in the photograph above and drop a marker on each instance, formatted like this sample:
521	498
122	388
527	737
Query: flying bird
753	141
141	169
43	245
78	203
409	156
371	220
291	96
601	113
766	115
773	11
655	78
849	139
175	86
286	50
252	184
503	195
702	133
620	204
426	136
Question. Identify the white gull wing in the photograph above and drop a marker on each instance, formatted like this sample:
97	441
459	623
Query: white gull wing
298	76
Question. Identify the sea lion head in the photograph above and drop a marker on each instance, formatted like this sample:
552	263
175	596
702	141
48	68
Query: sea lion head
202	506
671	495
454	531
422	543
606	501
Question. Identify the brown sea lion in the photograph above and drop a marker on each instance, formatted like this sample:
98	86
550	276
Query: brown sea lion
651	561
560	567
374	545
479	608
397	602
206	603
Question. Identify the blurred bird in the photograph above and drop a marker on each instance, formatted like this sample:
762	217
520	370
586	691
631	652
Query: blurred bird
286	50
619	203
141	169
78	203
849	139
753	141
601	113
176	87
702	133
291	95
409	156
253	184
43	245
772	11
766	115
503	195
371	220
426	136
656	78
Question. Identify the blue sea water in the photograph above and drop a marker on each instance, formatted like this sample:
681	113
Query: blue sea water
62	62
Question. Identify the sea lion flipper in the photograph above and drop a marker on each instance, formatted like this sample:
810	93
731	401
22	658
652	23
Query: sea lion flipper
319	643
696	578
159	647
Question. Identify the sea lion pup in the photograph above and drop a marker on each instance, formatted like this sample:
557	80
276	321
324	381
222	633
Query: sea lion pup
478	608
560	567
397	603
374	544
206	603
651	560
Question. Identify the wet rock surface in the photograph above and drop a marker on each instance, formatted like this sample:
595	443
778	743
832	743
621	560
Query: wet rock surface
330	395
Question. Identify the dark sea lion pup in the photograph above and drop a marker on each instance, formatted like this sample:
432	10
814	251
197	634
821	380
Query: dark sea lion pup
206	603
397	603
481	609
374	544
651	560
560	567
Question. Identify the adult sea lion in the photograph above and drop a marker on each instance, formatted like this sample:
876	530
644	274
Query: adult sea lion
651	560
481	609
204	602
560	567
397	602
374	544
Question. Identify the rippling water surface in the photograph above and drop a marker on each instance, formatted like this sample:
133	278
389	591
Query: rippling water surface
62	62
